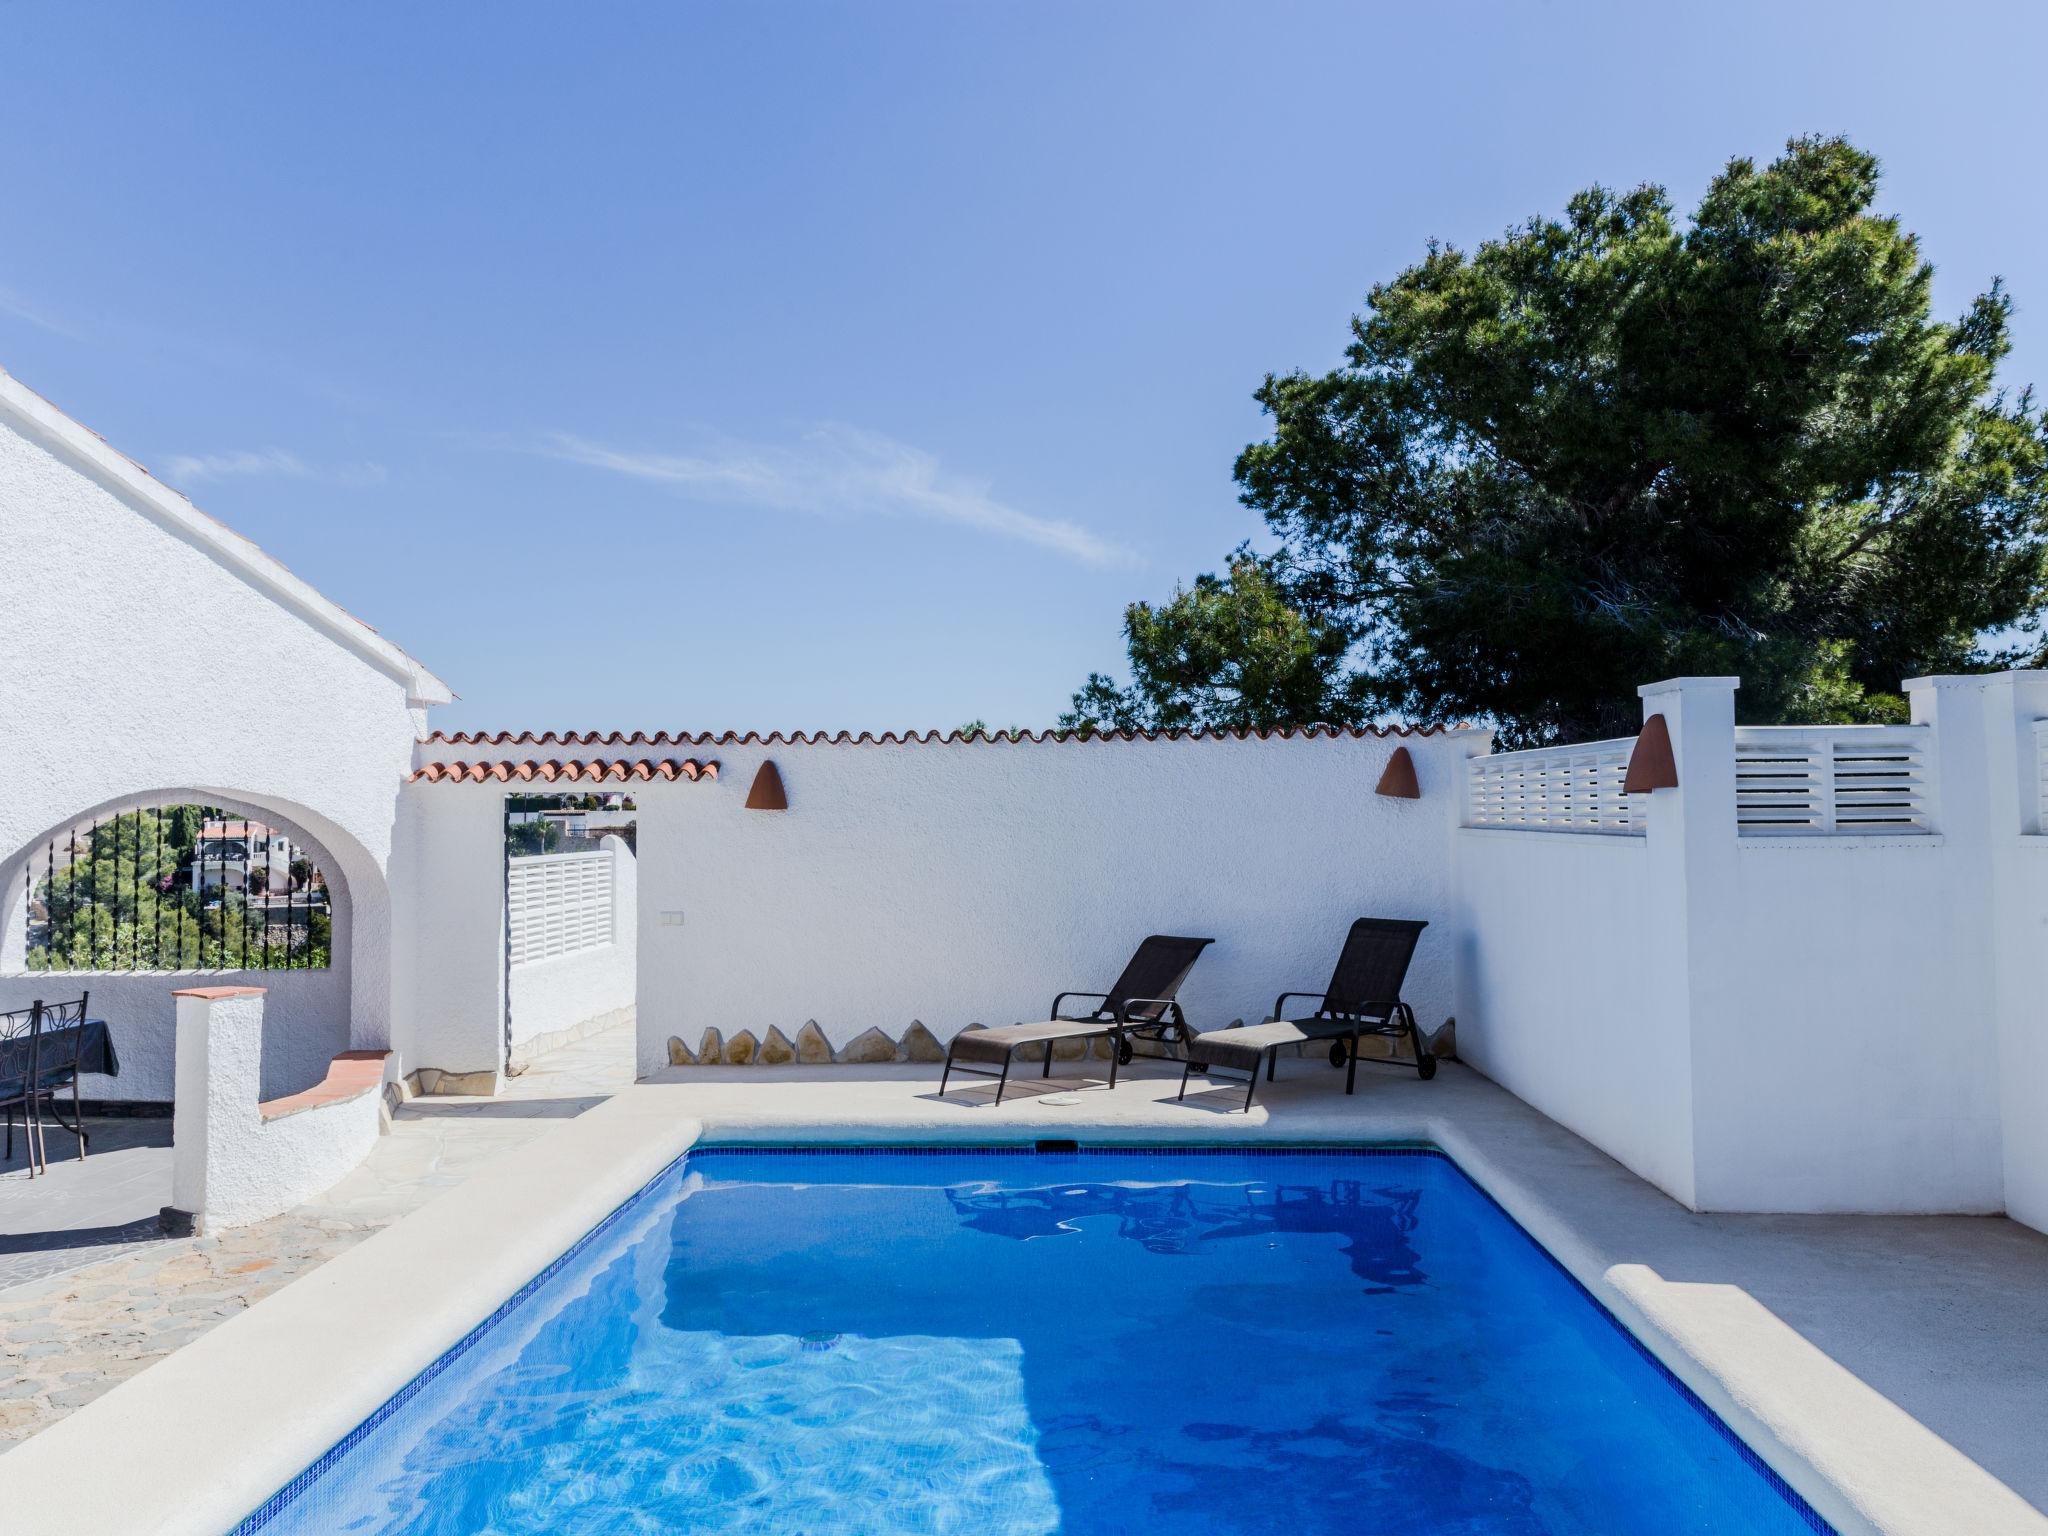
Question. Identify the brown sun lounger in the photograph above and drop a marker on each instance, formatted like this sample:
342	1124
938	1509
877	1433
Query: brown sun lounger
1138	1008
1363	998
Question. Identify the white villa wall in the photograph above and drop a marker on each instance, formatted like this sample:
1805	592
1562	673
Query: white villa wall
555	1000
1853	1069
147	650
968	882
305	1025
449	875
1556	992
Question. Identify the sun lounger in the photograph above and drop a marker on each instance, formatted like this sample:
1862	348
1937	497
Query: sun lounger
1363	998
1140	1007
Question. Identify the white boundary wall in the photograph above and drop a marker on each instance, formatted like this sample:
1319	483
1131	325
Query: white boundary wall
968	882
1845	1022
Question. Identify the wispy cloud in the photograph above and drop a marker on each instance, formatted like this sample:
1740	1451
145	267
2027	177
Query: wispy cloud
24	309
250	463
842	471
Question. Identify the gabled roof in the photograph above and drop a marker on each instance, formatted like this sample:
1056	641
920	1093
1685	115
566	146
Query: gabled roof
92	454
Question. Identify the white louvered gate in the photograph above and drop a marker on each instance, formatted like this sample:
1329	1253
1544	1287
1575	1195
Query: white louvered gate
557	904
1822	781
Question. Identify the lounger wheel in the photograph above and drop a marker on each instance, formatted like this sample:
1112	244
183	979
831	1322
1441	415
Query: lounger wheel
1124	1053
1337	1053
1425	1066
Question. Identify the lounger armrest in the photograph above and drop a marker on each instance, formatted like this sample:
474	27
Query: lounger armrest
1280	1007
1171	1014
1078	1018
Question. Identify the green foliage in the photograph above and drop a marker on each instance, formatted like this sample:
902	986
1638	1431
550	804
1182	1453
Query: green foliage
530	837
1609	448
974	728
1232	652
120	899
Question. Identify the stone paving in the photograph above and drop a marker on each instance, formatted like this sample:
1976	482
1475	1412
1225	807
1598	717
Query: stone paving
66	1338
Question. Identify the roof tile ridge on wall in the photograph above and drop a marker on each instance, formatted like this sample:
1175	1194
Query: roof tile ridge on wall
779	738
595	770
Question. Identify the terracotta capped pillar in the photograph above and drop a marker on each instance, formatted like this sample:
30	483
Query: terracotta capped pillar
219	1065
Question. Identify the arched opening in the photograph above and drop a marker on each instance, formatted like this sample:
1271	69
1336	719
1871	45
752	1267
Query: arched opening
185	887
133	897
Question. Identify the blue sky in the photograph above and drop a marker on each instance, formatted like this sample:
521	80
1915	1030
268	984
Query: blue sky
845	365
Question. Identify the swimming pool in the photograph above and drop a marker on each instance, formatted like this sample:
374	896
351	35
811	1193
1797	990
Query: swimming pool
1001	1341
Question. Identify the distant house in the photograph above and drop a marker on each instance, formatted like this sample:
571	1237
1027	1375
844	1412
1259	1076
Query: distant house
610	817
228	851
614	815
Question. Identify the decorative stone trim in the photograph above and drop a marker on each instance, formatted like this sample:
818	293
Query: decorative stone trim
867	1047
1443	1045
871	1047
918	1044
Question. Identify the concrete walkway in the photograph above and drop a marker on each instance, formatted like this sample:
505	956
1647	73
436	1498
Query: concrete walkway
75	1320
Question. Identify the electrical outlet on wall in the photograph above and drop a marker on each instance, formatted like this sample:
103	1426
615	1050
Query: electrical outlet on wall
671	919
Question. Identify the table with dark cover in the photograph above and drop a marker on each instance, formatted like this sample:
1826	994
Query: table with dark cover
95	1048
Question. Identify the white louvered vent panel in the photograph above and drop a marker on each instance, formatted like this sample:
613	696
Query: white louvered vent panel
1823	781
1556	789
558	903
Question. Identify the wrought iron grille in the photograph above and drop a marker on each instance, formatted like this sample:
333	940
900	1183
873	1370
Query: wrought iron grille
176	888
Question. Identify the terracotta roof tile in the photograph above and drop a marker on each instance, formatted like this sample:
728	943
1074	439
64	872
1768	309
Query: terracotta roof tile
555	770
668	739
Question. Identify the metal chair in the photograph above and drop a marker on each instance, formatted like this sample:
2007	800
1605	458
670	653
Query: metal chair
18	1040
60	1037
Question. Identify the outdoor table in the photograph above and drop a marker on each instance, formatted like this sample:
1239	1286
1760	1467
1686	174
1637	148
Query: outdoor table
95	1047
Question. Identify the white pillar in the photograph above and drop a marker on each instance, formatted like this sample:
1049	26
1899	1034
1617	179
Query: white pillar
1692	852
2016	844
219	1074
450	893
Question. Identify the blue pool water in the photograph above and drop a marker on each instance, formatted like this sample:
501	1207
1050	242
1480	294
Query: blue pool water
811	1343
